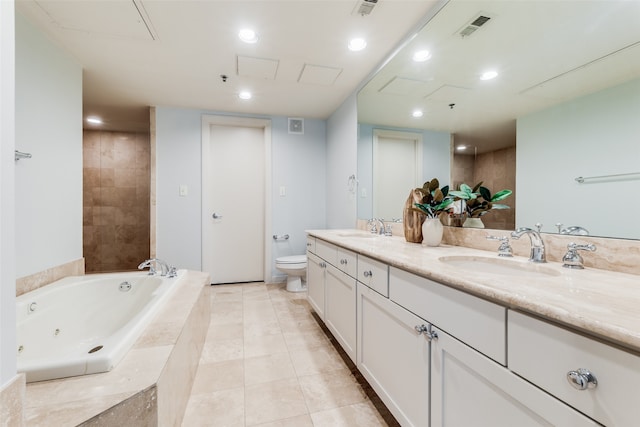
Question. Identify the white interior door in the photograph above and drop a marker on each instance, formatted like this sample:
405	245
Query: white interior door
233	222
397	162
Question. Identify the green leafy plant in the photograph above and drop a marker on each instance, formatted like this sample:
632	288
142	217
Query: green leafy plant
479	200
435	200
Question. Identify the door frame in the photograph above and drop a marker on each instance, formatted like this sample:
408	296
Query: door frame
265	125
395	134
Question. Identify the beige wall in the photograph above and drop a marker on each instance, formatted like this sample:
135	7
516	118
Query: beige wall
116	183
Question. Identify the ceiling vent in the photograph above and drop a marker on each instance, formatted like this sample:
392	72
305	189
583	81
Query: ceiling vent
474	25
364	7
296	125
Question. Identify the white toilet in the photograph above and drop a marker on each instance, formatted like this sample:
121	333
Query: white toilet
296	269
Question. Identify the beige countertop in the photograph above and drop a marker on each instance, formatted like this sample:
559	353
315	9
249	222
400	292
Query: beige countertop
601	303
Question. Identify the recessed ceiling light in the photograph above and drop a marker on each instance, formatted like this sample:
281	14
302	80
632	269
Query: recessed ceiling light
357	44
417	113
488	75
244	95
421	56
247	35
94	120
461	147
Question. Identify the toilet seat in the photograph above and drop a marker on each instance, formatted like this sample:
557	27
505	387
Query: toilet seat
294	259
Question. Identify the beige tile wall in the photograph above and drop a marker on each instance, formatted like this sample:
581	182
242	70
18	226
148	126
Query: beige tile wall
116	175
497	171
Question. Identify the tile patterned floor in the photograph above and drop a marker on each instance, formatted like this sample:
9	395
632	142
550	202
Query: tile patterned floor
268	362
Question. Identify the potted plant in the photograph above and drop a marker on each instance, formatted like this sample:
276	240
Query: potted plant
479	201
434	202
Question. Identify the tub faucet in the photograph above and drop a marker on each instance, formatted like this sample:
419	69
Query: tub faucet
537	245
165	269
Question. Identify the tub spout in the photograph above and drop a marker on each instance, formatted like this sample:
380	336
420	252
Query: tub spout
148	263
165	269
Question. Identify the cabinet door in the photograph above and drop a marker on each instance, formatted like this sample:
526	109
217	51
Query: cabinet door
469	389
315	283
340	308
393	356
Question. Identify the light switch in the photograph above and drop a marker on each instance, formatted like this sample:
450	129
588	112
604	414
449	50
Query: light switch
363	193
283	191
184	190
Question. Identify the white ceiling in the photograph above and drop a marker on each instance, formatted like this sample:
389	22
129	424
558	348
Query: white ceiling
546	52
140	53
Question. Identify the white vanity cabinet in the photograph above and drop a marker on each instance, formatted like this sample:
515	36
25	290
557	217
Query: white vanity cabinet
469	389
316	269
438	356
393	356
556	359
340	308
331	288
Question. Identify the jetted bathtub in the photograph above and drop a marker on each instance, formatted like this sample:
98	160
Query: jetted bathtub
86	324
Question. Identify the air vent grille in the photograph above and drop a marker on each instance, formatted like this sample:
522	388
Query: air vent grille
474	25
296	125
364	7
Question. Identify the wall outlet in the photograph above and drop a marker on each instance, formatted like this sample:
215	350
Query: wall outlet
184	190
283	191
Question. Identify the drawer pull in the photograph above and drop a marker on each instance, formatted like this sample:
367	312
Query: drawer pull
368	274
343	261
582	379
323	265
424	329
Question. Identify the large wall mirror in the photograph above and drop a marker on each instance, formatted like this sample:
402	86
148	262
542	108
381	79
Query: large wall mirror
556	120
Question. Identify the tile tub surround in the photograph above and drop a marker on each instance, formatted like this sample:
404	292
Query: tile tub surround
599	303
159	369
50	275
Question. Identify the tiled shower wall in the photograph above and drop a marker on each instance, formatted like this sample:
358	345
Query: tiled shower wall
116	174
497	171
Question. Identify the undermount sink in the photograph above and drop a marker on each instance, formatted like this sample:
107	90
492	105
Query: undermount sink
360	235
500	266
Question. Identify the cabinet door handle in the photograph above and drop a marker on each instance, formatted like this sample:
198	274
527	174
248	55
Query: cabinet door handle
323	265
582	379
421	329
368	274
424	329
343	261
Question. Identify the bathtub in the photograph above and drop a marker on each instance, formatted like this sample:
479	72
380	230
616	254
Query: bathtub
86	324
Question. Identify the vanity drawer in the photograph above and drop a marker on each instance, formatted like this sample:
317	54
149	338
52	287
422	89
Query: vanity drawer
544	353
347	262
326	251
374	274
478	323
311	244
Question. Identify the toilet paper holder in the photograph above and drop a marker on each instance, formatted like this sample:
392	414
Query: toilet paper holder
280	237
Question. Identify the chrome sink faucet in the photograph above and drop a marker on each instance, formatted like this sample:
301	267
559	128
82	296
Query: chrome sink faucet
165	269
537	245
375	222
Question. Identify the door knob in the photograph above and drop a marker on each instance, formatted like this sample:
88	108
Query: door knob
216	216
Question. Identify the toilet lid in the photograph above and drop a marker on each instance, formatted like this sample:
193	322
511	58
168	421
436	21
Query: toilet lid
295	259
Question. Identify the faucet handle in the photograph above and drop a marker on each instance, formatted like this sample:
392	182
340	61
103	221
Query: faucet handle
505	248
538	226
572	259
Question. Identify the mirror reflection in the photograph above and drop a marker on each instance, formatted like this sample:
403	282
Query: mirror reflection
562	102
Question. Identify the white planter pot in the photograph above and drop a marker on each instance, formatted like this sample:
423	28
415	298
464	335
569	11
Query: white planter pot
473	223
432	230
